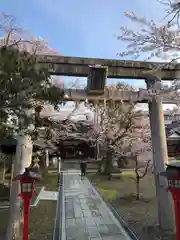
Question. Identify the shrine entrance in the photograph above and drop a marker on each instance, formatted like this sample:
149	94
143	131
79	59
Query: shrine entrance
96	71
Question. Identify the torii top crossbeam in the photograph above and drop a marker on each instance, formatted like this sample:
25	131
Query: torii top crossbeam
79	67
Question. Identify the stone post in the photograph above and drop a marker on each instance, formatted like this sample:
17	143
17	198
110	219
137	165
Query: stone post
160	158
47	158
59	165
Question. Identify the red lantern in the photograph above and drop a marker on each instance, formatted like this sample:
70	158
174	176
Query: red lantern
27	188
173	176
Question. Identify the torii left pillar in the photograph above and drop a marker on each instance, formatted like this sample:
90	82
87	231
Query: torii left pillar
160	158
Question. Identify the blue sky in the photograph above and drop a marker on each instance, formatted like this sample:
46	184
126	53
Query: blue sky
83	28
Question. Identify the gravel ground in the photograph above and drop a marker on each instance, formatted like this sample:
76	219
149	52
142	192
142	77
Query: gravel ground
140	215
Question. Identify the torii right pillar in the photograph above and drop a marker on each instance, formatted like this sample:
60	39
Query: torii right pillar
160	158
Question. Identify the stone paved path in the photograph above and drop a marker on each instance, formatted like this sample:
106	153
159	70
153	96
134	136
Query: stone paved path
86	215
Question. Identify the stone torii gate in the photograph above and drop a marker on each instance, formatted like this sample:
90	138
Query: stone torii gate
80	67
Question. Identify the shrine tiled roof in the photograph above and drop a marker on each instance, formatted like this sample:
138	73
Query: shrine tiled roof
173	127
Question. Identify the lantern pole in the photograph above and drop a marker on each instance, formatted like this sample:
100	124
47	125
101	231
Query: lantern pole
177	212
27	191
26	218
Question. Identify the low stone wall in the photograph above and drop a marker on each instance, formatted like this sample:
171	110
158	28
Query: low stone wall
76	165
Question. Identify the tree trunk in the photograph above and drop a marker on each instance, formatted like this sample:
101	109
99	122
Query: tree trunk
1	173
12	173
137	187
3	161
42	162
22	160
107	166
4	171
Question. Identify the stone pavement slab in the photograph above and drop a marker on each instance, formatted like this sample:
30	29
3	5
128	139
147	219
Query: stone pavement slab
86	214
48	195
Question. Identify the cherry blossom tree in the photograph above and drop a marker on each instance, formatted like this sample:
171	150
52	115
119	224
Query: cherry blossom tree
114	122
172	9
139	142
155	40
